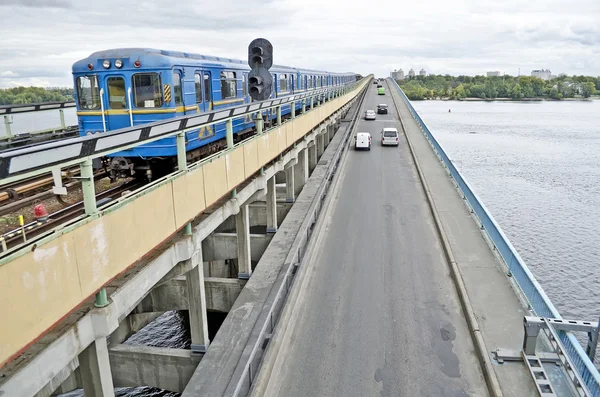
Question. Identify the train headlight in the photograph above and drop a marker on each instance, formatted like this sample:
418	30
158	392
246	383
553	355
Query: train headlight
118	63
90	66
106	64
137	64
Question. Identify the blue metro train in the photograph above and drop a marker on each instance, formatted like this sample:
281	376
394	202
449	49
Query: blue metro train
120	88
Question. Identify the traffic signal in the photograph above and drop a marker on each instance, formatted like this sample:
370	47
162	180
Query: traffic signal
260	60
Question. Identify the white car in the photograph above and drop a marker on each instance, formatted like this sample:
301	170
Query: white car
362	140
390	136
370	115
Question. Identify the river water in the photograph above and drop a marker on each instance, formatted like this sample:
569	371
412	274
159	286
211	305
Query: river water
535	165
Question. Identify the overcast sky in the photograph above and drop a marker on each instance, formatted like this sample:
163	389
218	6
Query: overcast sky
42	38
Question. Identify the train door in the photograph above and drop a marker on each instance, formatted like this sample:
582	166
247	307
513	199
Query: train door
203	90
117	103
178	96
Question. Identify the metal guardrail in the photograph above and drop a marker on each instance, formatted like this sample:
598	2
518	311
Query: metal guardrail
35	107
32	161
532	290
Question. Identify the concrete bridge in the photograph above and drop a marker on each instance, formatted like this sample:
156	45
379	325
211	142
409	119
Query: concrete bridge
341	272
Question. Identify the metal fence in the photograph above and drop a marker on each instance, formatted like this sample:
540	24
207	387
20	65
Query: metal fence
532	290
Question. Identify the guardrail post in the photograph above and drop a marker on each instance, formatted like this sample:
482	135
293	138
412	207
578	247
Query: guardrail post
303	105
278	109
258	122
7	123
312	98
229	133
293	109
101	298
62	118
87	187
181	157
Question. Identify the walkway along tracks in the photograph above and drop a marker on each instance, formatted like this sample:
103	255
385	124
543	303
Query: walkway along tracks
482	351
230	367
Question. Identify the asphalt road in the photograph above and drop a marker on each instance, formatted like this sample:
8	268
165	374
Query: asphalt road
379	314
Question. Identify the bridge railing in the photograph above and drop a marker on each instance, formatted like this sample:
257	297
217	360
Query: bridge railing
532	290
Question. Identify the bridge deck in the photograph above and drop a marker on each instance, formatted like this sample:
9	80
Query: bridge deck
379	312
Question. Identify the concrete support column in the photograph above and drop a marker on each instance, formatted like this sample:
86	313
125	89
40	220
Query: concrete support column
290	197
320	145
197	305
326	136
301	171
312	157
271	200
242	228
95	372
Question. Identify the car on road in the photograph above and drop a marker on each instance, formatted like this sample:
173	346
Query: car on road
375	81
380	91
379	85
370	115
362	140
382	108
390	137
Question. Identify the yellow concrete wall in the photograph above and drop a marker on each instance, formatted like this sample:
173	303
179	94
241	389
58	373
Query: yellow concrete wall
39	288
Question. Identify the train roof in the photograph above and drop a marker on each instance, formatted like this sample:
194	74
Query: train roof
151	57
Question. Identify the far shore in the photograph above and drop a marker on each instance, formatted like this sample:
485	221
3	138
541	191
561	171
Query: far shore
508	99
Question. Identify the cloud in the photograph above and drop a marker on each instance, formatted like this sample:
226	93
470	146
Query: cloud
464	37
36	3
8	73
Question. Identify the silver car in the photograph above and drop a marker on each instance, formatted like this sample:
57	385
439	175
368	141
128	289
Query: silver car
370	115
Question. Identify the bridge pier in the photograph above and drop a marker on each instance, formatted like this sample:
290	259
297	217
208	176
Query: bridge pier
242	227
271	205
290	193
312	156
300	172
320	145
197	304
94	366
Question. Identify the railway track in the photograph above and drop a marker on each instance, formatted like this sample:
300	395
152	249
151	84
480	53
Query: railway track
33	229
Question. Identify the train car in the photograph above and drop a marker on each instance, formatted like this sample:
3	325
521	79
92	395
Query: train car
119	88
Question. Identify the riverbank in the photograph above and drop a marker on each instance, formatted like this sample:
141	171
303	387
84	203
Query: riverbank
541	99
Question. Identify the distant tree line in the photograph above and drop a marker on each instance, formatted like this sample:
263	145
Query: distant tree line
522	87
23	95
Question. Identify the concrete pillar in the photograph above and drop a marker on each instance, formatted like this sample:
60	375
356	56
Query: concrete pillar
271	200
197	305
94	367
242	228
312	156
290	196
320	145
301	171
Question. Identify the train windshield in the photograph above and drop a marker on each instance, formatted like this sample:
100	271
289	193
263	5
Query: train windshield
147	90
88	92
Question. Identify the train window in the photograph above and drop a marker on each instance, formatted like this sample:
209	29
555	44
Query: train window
198	86
228	85
147	90
207	85
245	90
88	92
177	89
283	82
309	84
116	93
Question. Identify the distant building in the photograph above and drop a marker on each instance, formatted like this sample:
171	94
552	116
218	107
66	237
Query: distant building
397	74
411	73
544	74
494	74
422	72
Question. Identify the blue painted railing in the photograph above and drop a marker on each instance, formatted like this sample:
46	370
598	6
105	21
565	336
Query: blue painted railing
533	291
